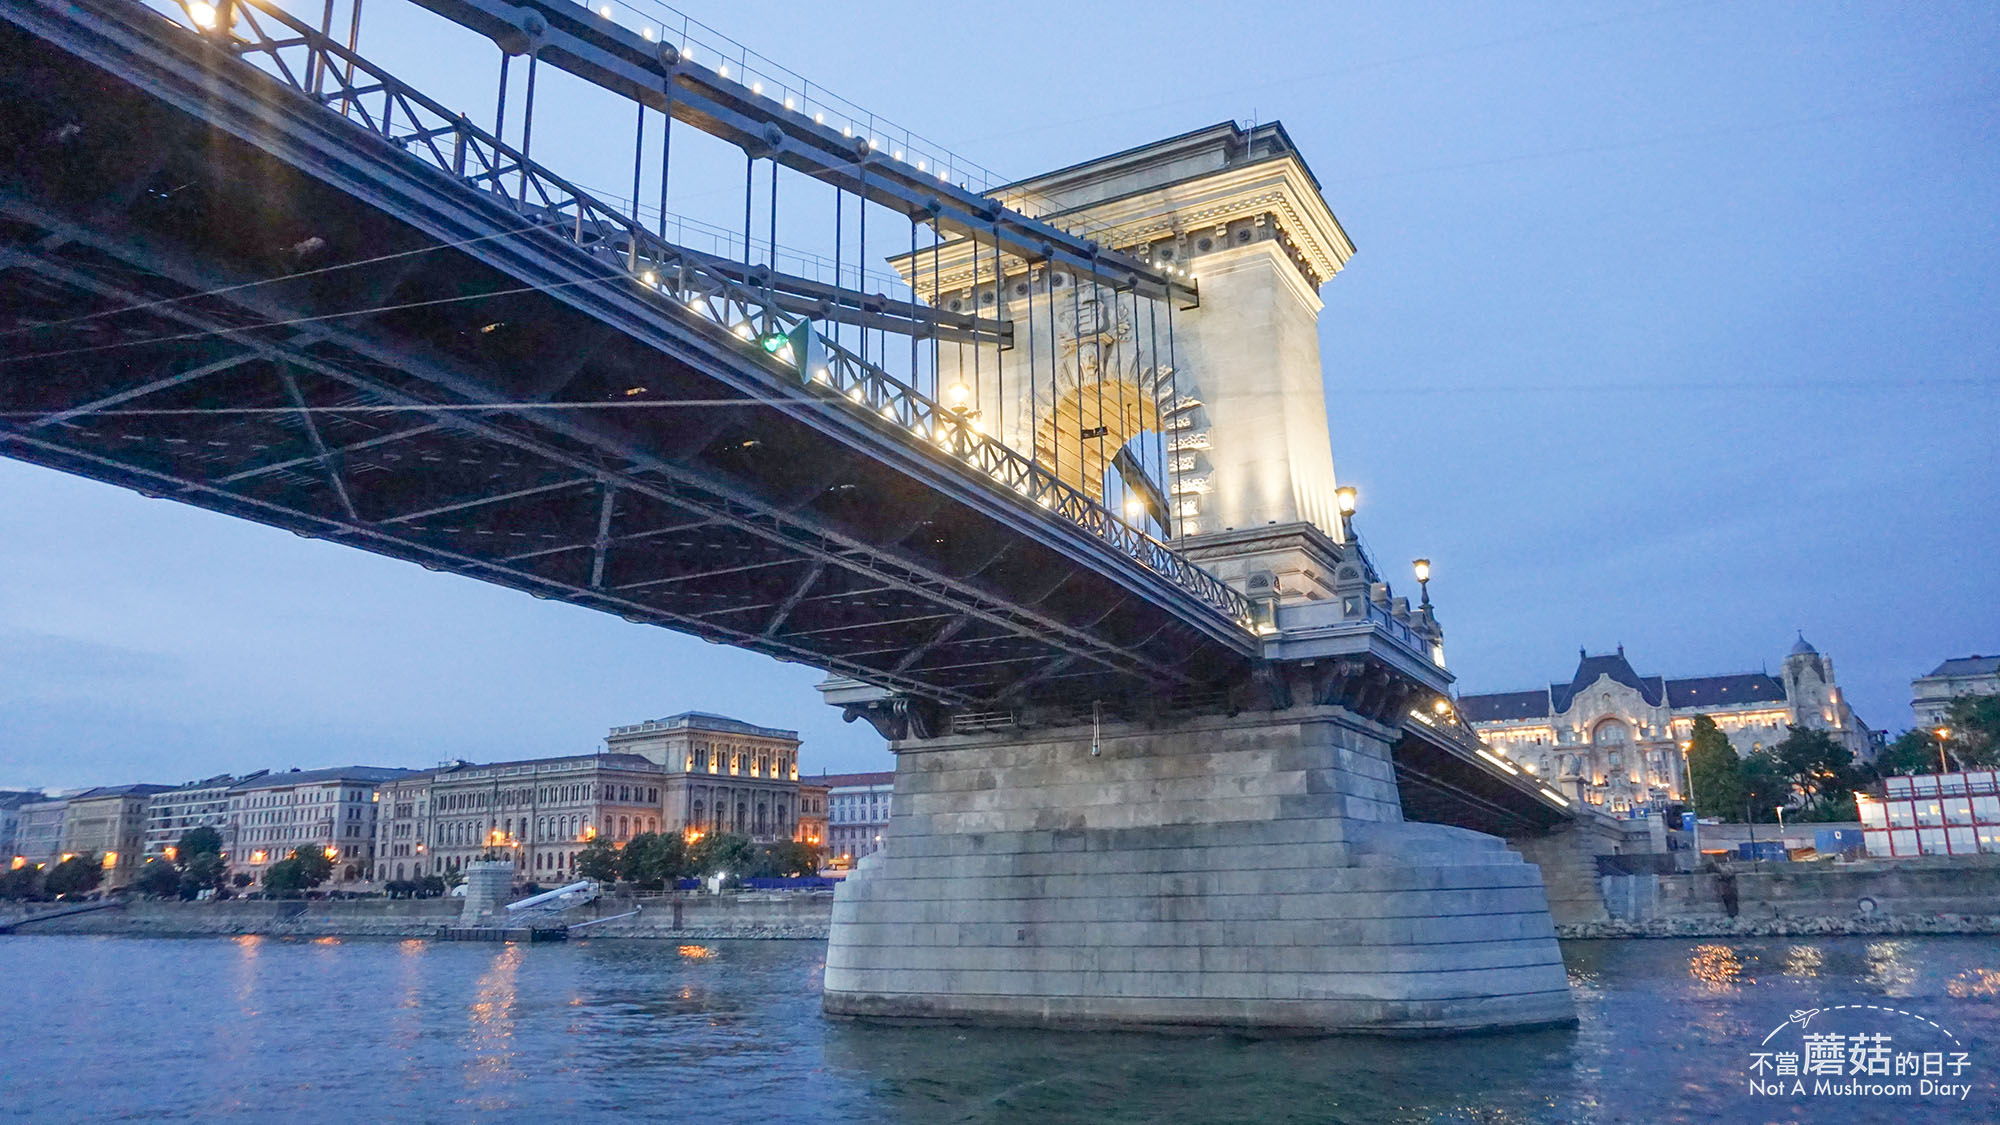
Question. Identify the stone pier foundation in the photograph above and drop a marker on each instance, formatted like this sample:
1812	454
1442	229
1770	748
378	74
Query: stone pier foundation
1250	872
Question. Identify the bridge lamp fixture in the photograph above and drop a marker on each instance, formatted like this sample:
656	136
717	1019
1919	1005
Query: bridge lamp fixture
960	396
1135	508
203	15
647	32
1348	499
650	278
1423	568
605	11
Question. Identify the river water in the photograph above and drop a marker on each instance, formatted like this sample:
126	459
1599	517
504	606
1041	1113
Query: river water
100	1028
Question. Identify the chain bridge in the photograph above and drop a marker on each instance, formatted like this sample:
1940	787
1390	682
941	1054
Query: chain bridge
1037	470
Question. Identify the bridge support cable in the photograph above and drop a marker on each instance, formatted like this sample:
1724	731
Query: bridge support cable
1179	530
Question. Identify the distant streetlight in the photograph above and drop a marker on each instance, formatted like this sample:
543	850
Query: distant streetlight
1423	568
1781	817
1943	734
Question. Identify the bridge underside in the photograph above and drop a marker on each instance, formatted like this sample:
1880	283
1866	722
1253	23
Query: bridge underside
130	179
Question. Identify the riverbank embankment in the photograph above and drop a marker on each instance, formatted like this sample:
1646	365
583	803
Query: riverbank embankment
1904	897
696	917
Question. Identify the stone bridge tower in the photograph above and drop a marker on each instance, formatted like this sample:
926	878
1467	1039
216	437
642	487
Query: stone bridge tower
1223	403
1246	864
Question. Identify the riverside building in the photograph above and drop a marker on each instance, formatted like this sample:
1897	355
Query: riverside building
540	812
38	834
1613	738
329	810
109	822
1931	696
694	773
857	813
173	813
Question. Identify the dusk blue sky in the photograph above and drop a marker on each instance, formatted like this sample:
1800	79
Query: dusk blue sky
1671	326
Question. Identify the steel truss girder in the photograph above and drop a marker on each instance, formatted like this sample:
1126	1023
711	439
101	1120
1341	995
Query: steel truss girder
848	374
621	61
637	470
741	512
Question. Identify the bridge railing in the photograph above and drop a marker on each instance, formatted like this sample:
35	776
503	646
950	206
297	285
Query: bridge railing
341	81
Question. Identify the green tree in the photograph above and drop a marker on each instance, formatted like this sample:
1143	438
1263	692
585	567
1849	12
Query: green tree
787	858
599	860
315	866
1764	786
203	871
20	883
724	854
1715	773
240	880
1912	752
1974	723
652	859
284	878
304	869
197	841
79	874
159	878
1821	770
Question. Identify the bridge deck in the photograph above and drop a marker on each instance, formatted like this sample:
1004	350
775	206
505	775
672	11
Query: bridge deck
143	169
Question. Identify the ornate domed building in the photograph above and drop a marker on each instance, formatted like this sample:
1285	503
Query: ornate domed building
1613	737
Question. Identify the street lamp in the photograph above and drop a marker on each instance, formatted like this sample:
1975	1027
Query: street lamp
1781	817
1348	499
1942	733
1423	568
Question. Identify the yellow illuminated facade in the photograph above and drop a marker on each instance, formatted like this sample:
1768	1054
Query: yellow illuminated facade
693	773
1612	738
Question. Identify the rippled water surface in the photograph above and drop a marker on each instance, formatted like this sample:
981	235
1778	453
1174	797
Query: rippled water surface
356	1030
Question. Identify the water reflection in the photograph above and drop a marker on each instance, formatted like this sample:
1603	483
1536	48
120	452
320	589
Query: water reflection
1803	961
490	1024
606	1029
1888	967
1717	966
1981	984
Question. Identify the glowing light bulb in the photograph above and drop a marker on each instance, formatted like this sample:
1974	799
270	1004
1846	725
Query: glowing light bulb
788	103
605	11
650	278
959	394
202	14
648	33
756	87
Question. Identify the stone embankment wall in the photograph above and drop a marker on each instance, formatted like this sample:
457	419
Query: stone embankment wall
788	915
1930	895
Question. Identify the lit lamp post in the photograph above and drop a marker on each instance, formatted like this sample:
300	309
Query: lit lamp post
1694	813
1347	498
1423	568
1943	733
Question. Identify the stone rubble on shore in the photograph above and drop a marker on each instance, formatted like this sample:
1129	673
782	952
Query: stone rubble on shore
1815	926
